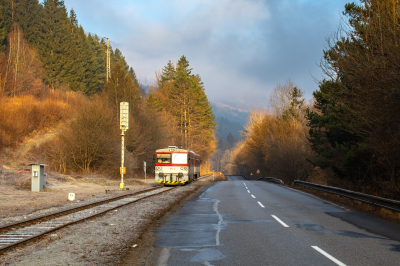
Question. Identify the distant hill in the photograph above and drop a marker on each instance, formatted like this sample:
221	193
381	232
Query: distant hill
145	88
229	119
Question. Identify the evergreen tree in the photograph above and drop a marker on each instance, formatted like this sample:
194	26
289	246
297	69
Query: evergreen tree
330	135
182	95
98	48
168	72
27	14
118	57
3	28
73	18
53	40
296	104
153	102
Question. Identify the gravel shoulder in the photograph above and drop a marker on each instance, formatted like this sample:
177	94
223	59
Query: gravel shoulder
106	240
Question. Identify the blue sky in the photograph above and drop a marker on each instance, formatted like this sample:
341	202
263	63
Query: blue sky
240	48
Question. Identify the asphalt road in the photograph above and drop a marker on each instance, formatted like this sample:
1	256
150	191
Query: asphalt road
239	222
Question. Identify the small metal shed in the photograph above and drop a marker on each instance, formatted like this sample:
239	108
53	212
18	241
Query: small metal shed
38	176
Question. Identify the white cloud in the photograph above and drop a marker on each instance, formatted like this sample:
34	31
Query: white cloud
241	49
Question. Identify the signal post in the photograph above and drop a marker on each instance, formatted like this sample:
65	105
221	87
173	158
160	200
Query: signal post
124	126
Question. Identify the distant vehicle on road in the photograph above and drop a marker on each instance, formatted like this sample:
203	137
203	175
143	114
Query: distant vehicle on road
175	166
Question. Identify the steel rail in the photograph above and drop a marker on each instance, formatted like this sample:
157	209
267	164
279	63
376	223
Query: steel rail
25	240
73	209
377	201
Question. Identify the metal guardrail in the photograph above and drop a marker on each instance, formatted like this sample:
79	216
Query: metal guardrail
272	179
377	201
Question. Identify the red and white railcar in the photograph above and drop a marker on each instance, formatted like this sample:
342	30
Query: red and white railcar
176	166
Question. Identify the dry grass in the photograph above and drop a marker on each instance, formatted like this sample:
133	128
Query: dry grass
20	116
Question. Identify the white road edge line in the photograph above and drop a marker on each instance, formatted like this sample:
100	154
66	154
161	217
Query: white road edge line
280	221
259	203
253	196
328	256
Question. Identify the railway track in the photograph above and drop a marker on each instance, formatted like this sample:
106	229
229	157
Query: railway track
18	233
12	235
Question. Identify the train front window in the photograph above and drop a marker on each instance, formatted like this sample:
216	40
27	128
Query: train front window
164	158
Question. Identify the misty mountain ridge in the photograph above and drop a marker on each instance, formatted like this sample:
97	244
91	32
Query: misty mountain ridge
229	119
230	113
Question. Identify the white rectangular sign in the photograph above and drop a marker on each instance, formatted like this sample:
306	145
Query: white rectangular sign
124	115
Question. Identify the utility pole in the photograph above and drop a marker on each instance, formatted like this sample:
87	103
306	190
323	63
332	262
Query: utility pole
108	60
124	126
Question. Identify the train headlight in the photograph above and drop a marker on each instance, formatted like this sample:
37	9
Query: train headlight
181	168
185	168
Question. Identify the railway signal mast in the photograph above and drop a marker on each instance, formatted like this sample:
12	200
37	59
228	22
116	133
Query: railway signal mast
124	126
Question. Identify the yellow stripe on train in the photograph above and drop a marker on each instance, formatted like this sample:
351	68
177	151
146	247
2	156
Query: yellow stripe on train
172	182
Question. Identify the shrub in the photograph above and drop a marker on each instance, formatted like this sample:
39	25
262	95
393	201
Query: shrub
22	115
89	141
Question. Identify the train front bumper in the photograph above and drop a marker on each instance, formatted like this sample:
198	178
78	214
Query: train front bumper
181	182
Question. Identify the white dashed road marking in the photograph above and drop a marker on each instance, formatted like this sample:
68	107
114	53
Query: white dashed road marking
279	220
259	203
328	256
253	196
